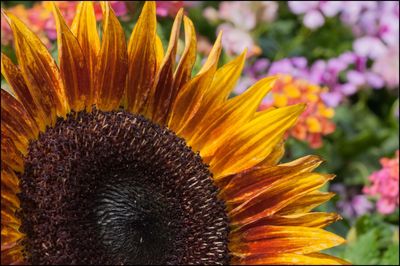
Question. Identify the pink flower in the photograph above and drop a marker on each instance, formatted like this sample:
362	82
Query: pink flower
385	185
387	66
235	40
168	8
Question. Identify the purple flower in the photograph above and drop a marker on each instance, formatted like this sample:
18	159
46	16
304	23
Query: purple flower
301	7
371	47
313	19
351	203
332	99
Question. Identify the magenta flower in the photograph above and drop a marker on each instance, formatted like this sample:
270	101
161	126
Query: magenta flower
385	185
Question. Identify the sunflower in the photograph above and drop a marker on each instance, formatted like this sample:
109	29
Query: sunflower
117	155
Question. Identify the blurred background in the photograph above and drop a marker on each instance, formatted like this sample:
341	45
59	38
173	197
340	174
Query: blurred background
340	57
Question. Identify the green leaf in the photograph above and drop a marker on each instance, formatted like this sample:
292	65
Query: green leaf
364	250
391	256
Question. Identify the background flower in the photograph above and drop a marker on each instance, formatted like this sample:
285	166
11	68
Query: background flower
385	185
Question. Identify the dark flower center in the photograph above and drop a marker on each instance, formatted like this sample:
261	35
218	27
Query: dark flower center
115	188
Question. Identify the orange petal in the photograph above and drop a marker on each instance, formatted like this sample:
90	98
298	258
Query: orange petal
10	155
15	118
306	203
223	82
184	69
12	256
274	197
313	219
228	118
9	179
73	68
9	198
189	99
8	217
161	95
84	28
9	237
253	142
291	259
111	63
282	239
15	79
39	70
142	55
247	183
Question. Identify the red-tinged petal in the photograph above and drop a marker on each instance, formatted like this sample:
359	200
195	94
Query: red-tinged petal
112	63
73	68
39	70
142	56
15	118
275	197
184	70
290	259
84	28
15	79
161	95
283	239
189	98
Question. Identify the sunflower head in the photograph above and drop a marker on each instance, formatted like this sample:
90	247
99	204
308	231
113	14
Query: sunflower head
118	155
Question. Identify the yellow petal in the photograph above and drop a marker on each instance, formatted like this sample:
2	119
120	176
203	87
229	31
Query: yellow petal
142	55
39	70
275	156
313	219
184	69
219	124
291	259
9	179
283	239
84	28
15	79
15	118
111	63
12	255
73	68
249	182
159	50
276	196
223	82
252	143
10	155
161	95
306	203
9	237
9	198
189	98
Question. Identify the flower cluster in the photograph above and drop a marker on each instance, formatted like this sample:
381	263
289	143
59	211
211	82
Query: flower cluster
240	19
315	122
385	185
41	20
351	203
374	24
343	75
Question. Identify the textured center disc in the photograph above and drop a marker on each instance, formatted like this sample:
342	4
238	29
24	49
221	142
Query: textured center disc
114	188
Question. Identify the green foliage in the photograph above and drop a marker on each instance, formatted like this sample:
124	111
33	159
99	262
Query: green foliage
371	241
